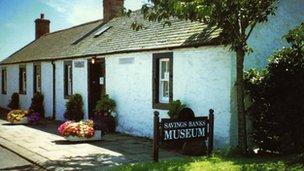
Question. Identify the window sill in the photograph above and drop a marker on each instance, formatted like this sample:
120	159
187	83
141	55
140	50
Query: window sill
4	93
162	106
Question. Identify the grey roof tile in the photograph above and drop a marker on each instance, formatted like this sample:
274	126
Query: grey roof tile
119	38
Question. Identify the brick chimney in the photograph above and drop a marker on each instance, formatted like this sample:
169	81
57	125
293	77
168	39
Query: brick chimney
111	9
42	26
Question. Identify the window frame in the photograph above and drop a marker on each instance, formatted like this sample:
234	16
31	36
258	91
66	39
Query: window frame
22	79
36	82
3	82
157	57
66	74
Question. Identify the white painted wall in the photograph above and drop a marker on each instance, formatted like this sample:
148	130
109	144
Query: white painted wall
266	38
201	79
13	86
47	87
80	81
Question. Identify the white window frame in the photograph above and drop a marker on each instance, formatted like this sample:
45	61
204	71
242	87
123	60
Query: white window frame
164	97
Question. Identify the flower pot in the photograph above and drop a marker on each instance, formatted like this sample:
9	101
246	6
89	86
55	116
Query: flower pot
97	136
24	120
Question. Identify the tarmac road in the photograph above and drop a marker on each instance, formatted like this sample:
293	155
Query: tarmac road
11	161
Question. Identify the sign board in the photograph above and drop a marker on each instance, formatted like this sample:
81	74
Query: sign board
79	64
172	129
198	128
101	80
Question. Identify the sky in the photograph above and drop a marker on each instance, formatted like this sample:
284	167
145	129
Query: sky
17	17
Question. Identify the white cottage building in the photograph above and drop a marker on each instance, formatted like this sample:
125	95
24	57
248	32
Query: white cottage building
141	70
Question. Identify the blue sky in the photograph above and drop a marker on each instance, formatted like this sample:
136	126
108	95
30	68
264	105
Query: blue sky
17	18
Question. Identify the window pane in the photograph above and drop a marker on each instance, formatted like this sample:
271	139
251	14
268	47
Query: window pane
163	69
166	89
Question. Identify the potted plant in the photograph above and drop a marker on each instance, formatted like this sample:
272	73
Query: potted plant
17	117
14	102
79	131
74	108
104	115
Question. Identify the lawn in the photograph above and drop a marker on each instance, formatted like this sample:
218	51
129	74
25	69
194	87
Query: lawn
218	162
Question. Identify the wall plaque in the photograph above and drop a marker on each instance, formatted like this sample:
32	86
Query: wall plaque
79	64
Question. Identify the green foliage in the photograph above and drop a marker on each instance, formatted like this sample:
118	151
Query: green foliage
214	163
105	104
233	17
175	107
37	104
74	108
277	97
14	103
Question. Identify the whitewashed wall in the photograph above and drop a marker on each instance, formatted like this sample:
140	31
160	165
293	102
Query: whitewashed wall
47	87
79	86
80	83
201	79
266	38
13	86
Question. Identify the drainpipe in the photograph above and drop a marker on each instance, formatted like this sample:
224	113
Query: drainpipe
54	90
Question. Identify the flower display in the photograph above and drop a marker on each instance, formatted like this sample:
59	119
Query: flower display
16	115
82	129
33	118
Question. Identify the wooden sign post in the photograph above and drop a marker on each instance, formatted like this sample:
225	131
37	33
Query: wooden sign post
198	128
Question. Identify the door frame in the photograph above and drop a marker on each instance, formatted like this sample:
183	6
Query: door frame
89	64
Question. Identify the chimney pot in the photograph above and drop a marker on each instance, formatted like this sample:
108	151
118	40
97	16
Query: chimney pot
111	9
42	26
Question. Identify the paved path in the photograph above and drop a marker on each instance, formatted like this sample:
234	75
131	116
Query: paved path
42	145
11	161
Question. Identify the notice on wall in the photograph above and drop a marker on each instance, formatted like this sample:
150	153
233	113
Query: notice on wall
79	64
178	130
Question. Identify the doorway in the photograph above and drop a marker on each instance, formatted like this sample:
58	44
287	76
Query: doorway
96	82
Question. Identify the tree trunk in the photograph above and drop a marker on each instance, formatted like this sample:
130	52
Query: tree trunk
242	133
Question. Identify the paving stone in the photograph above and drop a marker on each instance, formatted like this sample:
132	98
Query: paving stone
42	145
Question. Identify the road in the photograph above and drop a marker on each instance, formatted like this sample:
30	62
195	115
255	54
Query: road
11	161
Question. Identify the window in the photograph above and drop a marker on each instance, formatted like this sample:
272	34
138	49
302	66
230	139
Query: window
4	81
68	79
162	80
22	80
37	78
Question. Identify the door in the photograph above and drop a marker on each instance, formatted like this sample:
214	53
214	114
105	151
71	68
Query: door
96	84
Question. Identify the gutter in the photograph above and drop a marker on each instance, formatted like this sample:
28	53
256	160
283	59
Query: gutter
117	52
54	90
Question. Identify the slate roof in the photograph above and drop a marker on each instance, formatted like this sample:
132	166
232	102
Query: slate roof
80	41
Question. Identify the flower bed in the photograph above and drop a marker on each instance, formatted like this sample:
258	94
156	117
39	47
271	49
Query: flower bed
79	131
23	117
17	117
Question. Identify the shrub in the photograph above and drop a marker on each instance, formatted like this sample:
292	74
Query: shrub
174	108
277	97
37	104
74	110
103	116
105	104
14	103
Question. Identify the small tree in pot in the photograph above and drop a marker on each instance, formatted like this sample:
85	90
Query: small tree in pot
74	108
14	103
104	114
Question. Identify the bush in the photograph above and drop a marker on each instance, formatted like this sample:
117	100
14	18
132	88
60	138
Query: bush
277	97
14	103
105	104
74	110
37	104
103	116
174	108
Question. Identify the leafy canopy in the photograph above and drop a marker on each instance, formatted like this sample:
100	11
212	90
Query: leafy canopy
232	16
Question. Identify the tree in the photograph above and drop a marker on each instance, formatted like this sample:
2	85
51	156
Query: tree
236	19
